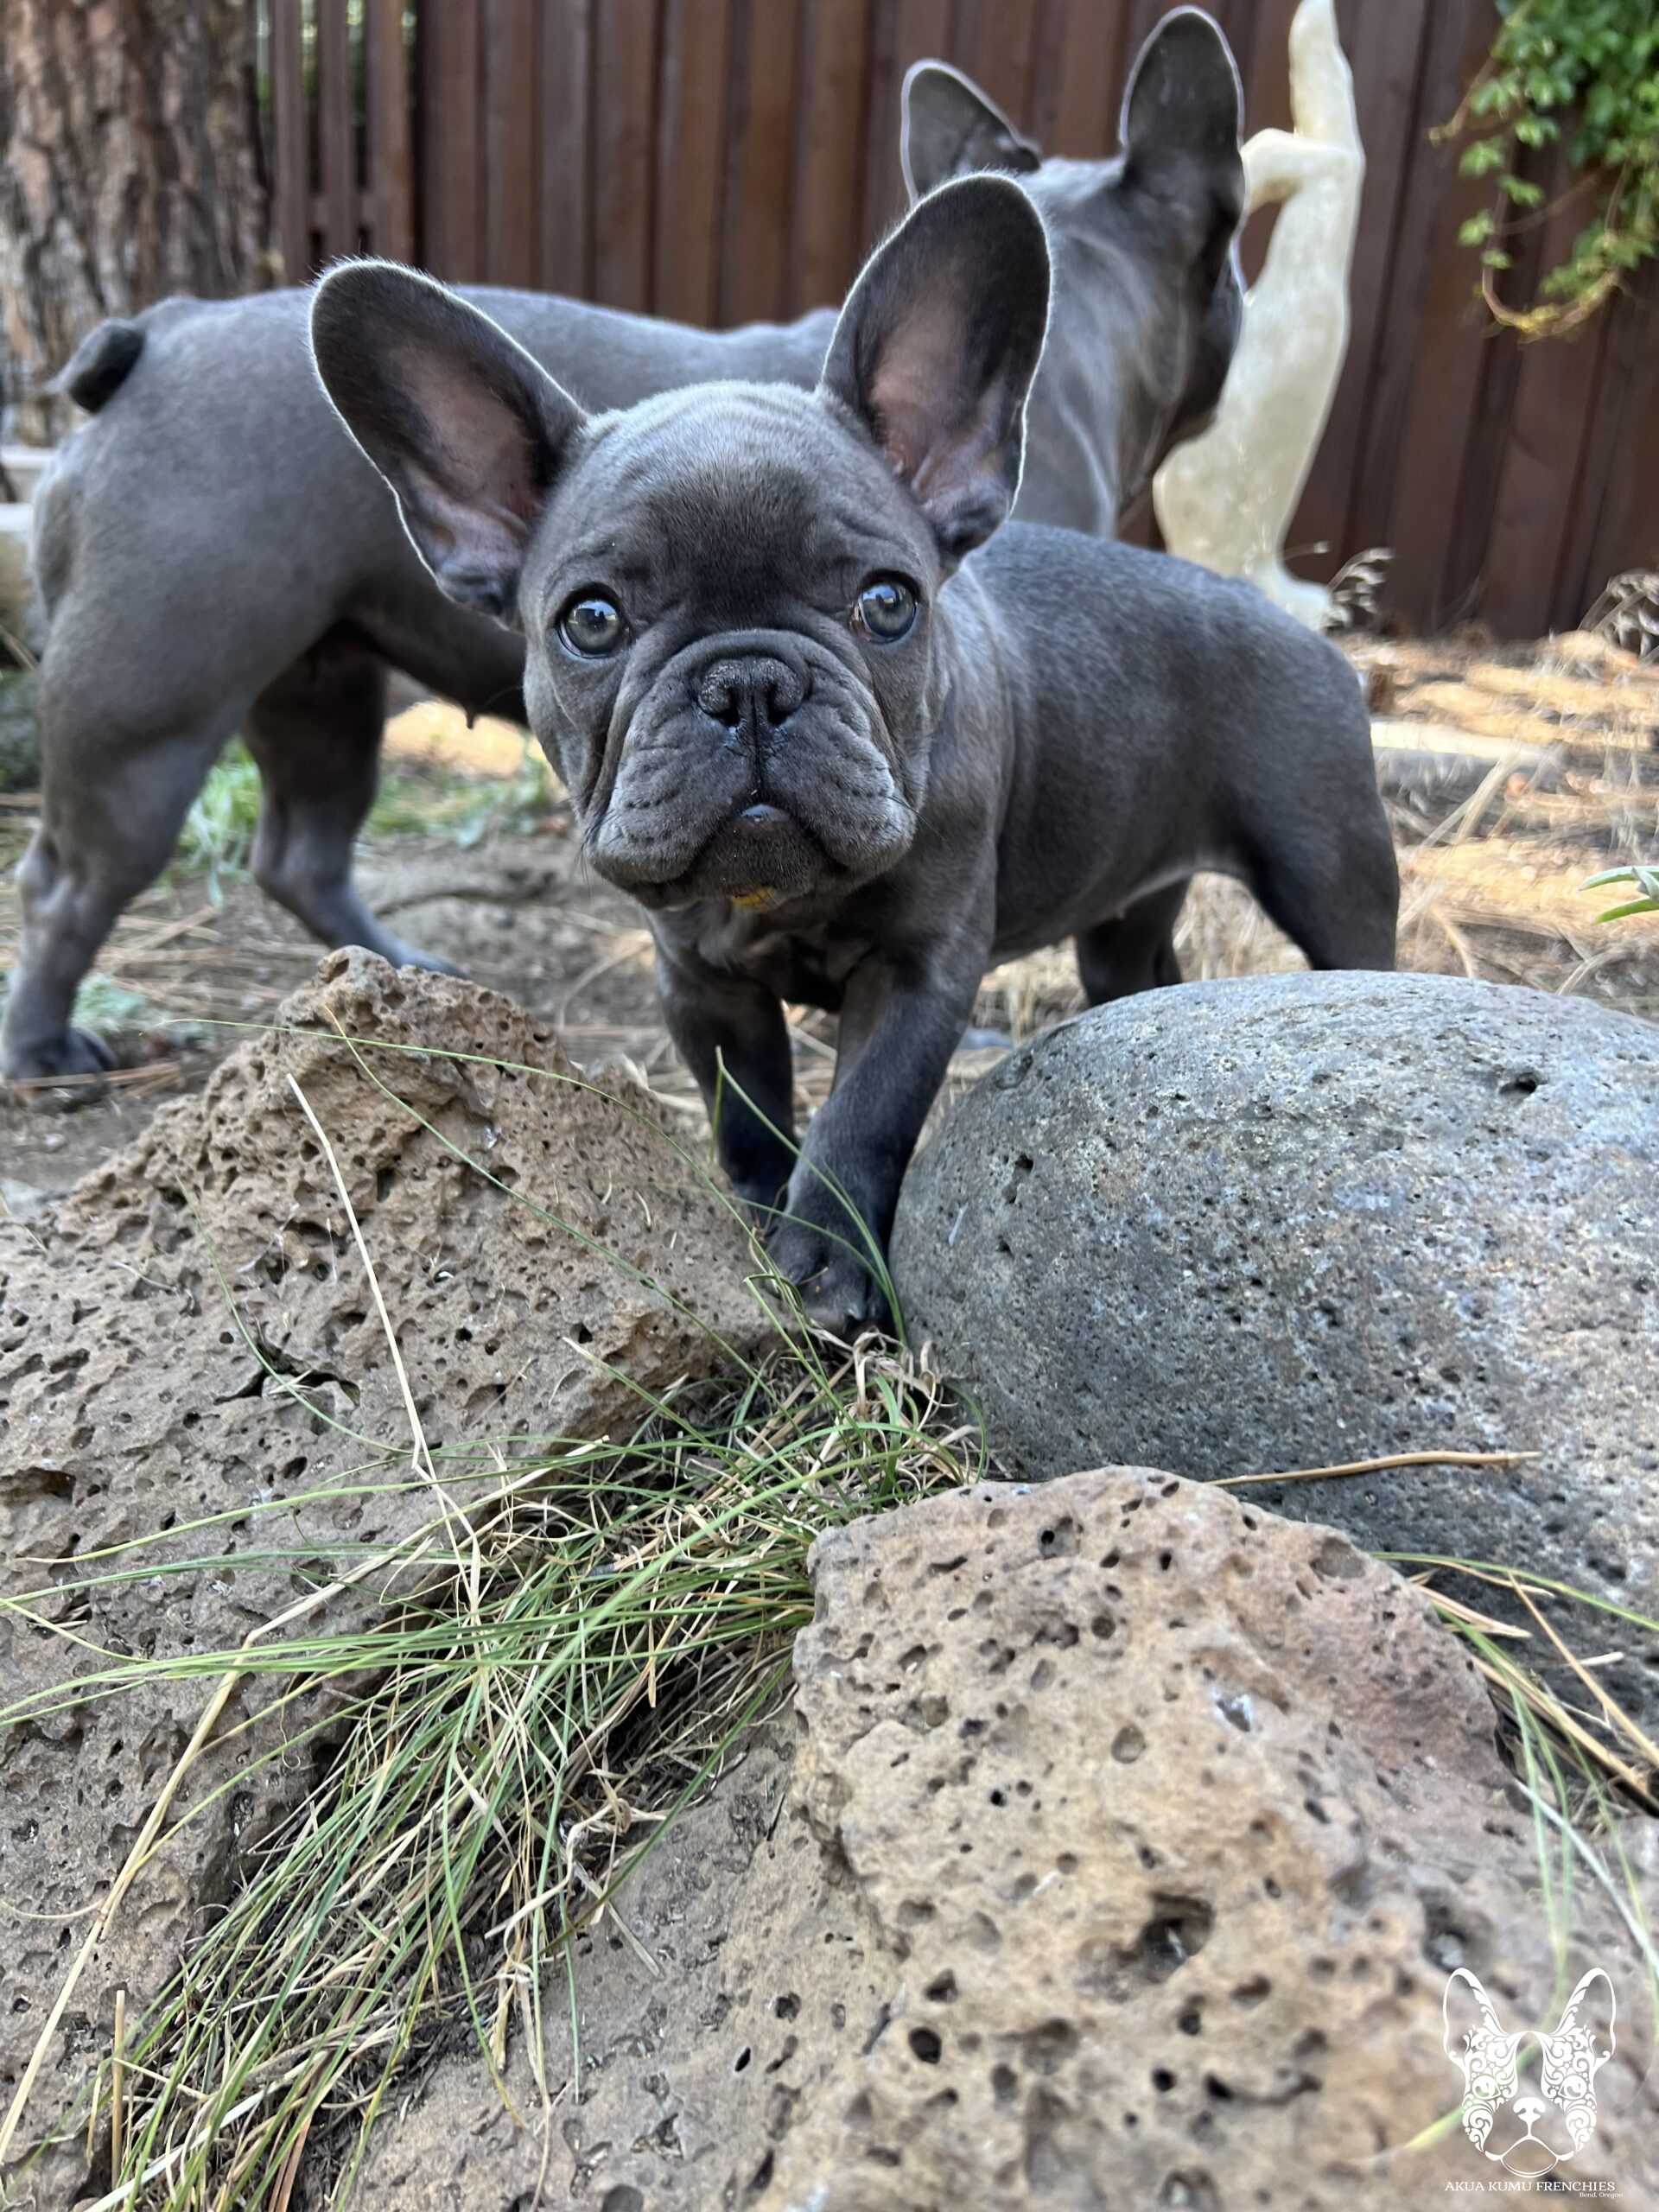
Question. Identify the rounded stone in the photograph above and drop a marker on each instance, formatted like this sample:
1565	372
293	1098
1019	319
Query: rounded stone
1294	1221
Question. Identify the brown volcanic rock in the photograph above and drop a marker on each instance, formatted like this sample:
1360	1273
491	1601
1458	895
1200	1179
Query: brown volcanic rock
1131	1835
130	1397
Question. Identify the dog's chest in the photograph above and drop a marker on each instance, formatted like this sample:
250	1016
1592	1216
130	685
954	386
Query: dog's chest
804	967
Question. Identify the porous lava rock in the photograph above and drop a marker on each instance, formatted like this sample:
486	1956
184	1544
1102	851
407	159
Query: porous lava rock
191	1335
1296	1221
1130	1837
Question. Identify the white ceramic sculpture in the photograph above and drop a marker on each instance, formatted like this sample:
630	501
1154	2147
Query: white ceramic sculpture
1227	498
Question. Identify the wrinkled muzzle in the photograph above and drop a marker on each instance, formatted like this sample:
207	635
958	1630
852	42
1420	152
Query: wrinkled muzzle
755	768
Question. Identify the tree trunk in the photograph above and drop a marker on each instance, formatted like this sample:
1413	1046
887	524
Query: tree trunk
130	166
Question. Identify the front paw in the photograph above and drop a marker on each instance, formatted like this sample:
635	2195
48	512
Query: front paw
72	1054
838	1289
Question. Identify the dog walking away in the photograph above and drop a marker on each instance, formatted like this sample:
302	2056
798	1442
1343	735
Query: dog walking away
213	554
839	753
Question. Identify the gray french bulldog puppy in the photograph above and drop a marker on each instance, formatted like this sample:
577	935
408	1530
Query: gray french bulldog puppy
835	758
213	554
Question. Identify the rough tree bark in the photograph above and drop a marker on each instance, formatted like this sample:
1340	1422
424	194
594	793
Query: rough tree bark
130	166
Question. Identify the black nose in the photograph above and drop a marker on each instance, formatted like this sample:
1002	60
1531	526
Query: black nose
752	692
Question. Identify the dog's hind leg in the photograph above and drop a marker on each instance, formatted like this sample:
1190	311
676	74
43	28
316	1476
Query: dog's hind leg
316	734
111	808
1337	899
1134	952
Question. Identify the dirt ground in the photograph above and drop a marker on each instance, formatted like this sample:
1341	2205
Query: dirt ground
1512	775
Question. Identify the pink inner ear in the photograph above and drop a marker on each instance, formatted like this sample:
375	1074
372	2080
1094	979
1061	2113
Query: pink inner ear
910	379
482	449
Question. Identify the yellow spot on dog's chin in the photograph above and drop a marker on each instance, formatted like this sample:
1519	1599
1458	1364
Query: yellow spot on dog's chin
764	897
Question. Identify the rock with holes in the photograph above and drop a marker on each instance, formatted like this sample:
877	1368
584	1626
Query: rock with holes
1130	1836
1302	1220
192	1334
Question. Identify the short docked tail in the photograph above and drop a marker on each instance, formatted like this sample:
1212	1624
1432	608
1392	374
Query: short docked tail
101	364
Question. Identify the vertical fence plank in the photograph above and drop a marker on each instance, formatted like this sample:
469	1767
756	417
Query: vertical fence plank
829	241
289	140
337	129
624	120
1627	534
1423	400
452	100
1544	438
1078	82
1623	381
1384	48
509	148
994	45
754	275
391	175
691	143
564	76
905	31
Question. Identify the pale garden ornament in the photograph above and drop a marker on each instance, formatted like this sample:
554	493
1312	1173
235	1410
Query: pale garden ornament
1227	498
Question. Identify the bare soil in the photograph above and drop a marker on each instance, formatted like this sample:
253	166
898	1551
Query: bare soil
1512	775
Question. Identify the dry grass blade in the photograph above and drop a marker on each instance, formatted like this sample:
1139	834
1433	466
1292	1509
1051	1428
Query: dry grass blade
1377	1466
1612	1711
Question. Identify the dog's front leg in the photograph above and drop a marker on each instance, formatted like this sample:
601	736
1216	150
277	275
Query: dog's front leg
732	1034
899	1028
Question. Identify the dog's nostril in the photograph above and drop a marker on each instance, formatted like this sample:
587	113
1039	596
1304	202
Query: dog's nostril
717	695
783	694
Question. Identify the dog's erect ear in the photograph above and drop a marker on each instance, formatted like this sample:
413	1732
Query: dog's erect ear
466	427
1183	116
1592	2010
936	347
950	129
1466	2009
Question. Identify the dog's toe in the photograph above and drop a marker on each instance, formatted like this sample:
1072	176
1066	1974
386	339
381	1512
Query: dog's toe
839	1296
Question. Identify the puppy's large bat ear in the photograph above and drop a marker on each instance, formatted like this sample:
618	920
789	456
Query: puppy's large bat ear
950	129
1183	117
463	425
1466	2009
936	347
1592	2009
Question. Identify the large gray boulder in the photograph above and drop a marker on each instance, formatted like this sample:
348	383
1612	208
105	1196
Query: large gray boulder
1305	1219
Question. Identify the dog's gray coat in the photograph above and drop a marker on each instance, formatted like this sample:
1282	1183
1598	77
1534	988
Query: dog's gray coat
214	553
837	759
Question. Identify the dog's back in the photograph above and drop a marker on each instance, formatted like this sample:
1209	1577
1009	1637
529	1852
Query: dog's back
1214	730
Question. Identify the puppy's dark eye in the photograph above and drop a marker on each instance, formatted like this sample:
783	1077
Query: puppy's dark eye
886	609
593	626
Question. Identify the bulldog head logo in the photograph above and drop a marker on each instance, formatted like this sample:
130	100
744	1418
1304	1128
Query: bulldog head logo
1545	2121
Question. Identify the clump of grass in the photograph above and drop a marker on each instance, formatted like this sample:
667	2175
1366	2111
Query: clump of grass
432	801
217	834
217	840
612	1618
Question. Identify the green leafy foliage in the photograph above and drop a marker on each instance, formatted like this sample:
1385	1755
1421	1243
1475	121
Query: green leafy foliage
1587	72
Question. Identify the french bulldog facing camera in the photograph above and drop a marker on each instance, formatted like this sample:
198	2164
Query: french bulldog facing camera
847	740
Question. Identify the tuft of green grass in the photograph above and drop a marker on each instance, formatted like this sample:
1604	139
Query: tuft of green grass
217	840
570	1671
437	802
217	834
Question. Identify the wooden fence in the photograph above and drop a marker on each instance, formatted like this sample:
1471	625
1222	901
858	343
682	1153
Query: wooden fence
725	160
